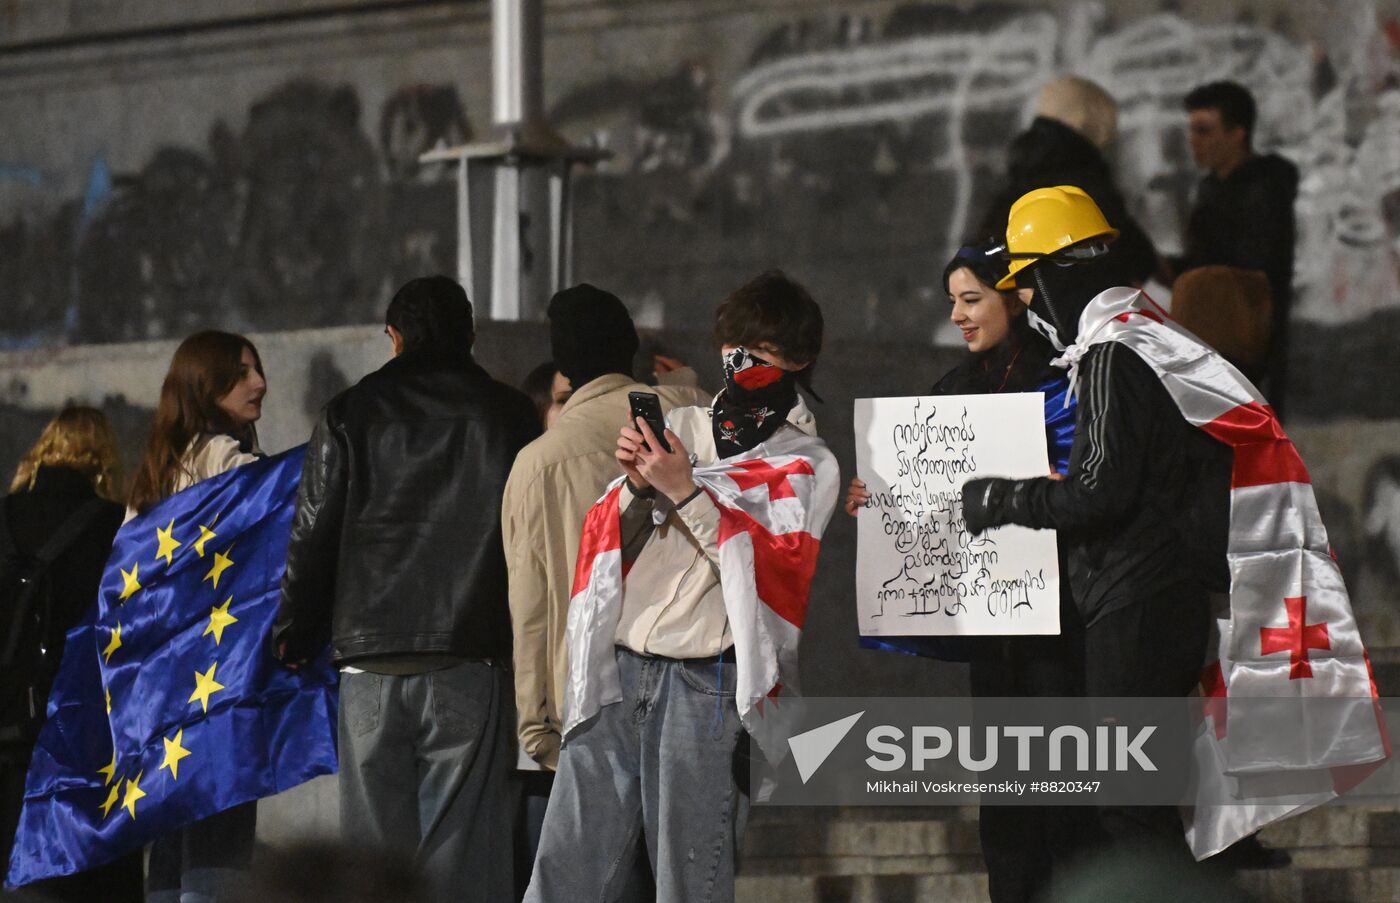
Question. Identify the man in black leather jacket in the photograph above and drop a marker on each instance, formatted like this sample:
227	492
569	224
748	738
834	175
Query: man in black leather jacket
396	559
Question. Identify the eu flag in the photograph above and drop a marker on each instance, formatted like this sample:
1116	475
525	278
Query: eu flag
169	706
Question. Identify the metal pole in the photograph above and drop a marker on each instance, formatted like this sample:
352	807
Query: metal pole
505	257
517	63
465	274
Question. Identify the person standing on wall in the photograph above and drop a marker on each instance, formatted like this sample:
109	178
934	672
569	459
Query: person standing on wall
1076	123
1243	212
396	560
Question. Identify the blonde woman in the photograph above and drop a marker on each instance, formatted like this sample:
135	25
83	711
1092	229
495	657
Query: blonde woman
61	508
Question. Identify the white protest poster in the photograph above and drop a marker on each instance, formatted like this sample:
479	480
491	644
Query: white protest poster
918	570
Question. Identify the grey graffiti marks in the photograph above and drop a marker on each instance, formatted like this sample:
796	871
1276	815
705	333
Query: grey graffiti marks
653	125
415	119
36	259
310	242
297	220
1380	518
155	260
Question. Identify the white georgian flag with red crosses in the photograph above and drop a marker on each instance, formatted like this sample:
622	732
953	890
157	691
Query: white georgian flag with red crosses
1290	643
774	502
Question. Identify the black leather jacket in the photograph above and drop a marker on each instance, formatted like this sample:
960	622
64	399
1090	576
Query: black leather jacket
396	543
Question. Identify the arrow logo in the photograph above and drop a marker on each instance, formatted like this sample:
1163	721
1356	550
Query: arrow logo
811	748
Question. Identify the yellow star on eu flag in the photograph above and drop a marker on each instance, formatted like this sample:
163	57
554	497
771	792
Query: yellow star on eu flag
111	799
205	686
108	693
133	793
219	618
113	644
129	583
174	752
221	563
167	543
205	534
109	770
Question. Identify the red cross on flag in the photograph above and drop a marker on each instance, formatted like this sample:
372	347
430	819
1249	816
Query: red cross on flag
774	503
1295	639
1290	637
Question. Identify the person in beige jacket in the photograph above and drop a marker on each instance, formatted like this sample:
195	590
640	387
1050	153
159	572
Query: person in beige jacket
554	482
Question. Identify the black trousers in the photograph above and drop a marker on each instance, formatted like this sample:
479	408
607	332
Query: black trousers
1151	647
1154	647
1024	846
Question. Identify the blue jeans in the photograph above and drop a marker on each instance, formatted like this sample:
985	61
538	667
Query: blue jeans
425	764
661	765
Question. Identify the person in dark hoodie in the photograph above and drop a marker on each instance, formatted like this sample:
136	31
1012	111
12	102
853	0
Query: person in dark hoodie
1076	121
1132	509
1243	213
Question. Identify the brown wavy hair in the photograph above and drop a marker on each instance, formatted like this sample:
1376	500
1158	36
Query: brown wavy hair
205	368
81	439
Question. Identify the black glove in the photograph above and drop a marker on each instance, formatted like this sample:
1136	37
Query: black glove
984	503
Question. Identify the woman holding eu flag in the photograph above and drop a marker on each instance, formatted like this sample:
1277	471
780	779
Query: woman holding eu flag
1021	845
204	425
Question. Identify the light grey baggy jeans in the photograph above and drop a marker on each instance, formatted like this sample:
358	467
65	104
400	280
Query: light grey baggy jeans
425	761
664	764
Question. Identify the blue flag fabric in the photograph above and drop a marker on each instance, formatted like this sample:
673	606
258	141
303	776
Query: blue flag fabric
168	706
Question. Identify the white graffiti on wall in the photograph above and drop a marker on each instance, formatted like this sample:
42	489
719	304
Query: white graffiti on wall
1346	141
942	76
897	81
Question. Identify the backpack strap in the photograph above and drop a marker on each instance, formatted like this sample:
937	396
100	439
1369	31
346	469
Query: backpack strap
62	538
7	542
68	532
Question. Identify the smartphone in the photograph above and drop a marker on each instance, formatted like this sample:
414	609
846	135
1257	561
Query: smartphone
647	405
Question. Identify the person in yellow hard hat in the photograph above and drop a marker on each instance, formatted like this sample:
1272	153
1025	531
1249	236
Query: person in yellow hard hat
1063	230
1134	512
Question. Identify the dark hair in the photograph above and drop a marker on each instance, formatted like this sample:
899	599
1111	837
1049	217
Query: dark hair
205	368
986	259
538	384
432	312
1233	100
772	309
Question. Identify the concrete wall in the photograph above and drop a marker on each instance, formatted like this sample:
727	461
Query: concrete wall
250	164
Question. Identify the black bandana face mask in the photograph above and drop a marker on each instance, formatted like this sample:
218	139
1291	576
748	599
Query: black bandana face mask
756	400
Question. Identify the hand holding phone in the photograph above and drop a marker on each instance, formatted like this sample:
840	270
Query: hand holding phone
647	406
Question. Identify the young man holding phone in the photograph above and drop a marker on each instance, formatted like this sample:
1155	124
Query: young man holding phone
652	724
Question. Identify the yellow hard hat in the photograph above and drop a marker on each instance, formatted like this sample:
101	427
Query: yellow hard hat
1048	220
